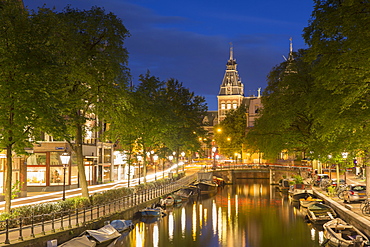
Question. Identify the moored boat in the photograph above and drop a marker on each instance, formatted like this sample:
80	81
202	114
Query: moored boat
284	185
297	189
104	234
122	225
308	201
206	187
187	192
341	234
319	213
81	241
152	212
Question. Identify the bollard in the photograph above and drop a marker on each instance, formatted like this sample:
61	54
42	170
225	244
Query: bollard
77	217
69	219
32	227
84	219
20	229
7	232
61	222
52	222
42	225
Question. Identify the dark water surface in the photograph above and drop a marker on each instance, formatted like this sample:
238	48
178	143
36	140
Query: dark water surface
249	213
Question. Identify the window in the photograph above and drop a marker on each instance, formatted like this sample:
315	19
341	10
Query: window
37	159
228	106
235	106
36	176
223	106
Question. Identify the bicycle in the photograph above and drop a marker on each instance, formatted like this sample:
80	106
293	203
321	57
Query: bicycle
325	183
366	208
364	204
340	190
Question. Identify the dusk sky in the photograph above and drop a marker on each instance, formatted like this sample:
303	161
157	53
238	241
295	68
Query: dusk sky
190	40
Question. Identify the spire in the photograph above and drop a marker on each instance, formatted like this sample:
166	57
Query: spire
231	51
290	58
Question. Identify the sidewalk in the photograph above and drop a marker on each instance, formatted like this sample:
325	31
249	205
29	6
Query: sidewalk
348	212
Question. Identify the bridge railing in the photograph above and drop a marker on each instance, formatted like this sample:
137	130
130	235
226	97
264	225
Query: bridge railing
240	166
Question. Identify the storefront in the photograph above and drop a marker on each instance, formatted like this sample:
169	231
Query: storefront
45	169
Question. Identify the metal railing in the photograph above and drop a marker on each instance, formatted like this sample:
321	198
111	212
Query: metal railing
33	225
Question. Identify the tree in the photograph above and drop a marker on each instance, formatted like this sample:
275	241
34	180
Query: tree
338	35
27	80
230	134
91	63
184	119
288	120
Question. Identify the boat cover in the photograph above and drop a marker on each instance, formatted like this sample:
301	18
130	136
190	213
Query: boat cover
81	241
107	232
121	225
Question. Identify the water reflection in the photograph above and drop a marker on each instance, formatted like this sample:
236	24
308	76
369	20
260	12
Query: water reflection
250	213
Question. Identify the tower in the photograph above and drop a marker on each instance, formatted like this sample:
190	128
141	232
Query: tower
231	93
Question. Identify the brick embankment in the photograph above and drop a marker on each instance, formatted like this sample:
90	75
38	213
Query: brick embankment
351	213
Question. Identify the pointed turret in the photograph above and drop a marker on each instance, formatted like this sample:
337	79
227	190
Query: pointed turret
289	68
231	93
231	83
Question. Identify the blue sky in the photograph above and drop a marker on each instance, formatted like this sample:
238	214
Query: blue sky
189	40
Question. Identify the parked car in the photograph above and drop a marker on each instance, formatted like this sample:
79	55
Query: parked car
318	178
354	193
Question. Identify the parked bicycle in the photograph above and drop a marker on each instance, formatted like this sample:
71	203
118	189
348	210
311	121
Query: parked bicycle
325	183
365	207
340	189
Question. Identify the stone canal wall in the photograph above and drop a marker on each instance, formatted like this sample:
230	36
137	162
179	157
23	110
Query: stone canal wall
348	213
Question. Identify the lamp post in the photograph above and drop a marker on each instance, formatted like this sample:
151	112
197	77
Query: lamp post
65	157
344	156
139	158
155	158
183	161
170	158
214	149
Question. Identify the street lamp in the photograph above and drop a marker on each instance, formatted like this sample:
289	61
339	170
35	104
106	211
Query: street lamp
183	161
170	158
344	156
139	158
155	158
329	157
65	157
214	157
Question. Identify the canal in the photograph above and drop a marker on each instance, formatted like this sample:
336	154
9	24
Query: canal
249	213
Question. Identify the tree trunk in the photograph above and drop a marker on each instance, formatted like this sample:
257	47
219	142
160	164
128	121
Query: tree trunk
80	163
8	179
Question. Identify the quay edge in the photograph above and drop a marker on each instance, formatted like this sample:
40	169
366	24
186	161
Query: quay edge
345	212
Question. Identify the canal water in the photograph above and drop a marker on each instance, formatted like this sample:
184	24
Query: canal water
249	213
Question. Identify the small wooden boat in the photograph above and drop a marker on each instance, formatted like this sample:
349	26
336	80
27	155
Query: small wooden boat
187	192
339	233
102	235
152	212
82	241
297	191
122	225
308	201
319	213
284	185
206	187
170	200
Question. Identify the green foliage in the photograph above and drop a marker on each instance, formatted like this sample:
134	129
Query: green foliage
298	179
